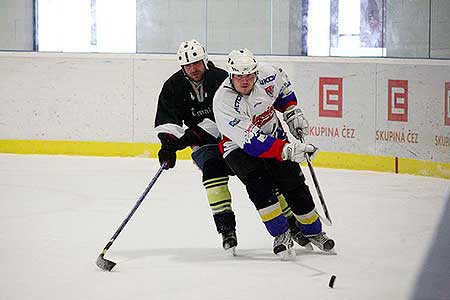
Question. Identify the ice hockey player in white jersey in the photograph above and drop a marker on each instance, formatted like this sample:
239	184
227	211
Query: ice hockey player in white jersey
184	118
256	147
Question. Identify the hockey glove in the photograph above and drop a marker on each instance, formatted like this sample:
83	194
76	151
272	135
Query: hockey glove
196	136
169	147
296	151
298	125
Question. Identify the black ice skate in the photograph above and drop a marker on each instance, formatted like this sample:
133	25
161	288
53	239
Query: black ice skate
229	241
283	246
296	234
302	240
322	242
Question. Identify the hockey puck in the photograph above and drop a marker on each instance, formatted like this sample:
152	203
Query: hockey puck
332	279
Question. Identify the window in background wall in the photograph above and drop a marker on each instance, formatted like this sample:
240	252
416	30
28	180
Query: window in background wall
318	28
345	28
86	25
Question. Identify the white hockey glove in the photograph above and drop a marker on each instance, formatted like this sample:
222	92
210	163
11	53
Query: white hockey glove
296	151
297	123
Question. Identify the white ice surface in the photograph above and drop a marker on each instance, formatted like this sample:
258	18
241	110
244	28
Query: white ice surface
58	212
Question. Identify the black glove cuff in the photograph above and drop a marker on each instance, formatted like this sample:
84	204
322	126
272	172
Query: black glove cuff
168	141
185	140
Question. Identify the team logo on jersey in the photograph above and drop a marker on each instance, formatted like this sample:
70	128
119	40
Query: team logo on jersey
201	112
269	90
234	122
267	79
285	90
263	118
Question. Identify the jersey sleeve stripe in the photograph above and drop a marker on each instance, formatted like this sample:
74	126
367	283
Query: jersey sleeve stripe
284	102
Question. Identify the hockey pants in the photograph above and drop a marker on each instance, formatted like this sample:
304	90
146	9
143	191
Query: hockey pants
262	177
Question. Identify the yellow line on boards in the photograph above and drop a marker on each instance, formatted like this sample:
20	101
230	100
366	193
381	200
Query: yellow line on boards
122	149
334	160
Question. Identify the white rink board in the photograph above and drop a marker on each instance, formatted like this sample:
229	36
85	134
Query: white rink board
149	76
352	132
66	98
415	138
112	97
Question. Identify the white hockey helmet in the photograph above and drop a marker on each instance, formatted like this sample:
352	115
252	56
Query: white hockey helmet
241	62
190	52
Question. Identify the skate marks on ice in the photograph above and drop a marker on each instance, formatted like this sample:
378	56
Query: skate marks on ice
201	256
58	212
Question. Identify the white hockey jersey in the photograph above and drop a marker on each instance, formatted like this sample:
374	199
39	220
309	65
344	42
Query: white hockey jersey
250	121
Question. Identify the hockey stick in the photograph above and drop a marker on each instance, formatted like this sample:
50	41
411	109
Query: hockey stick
102	262
327	219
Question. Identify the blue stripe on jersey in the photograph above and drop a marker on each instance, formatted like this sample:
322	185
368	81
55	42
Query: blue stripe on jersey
259	144
284	101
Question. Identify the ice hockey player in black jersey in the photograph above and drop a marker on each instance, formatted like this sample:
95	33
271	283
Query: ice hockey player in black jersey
184	118
257	149
185	101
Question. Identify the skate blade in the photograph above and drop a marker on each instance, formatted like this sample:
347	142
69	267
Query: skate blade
287	255
308	247
231	250
331	252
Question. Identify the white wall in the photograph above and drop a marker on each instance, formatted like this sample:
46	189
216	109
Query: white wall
16	25
440	29
408	28
97	97
221	25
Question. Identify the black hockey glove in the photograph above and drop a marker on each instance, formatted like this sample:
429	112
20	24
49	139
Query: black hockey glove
168	151
196	136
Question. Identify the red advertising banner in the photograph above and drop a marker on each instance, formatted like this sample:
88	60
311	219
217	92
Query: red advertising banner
330	97
398	100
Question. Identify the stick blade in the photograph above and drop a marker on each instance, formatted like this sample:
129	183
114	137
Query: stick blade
325	220
328	222
104	264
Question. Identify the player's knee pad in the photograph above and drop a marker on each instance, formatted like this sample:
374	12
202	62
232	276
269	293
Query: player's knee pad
272	217
215	167
260	190
287	212
219	197
215	181
310	223
207	152
299	199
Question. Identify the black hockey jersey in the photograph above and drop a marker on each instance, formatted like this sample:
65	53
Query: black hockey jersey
183	103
